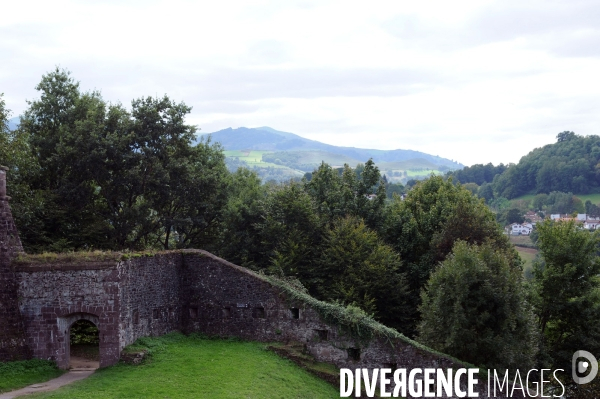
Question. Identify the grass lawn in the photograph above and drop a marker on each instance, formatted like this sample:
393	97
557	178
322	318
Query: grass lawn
528	255
195	367
15	375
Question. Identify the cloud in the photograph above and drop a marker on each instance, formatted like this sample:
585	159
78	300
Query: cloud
472	80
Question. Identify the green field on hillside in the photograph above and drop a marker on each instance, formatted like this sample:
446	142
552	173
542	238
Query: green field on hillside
253	158
594	198
194	367
316	157
421	173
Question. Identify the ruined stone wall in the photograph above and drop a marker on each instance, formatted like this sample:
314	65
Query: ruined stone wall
52	297
12	335
150	296
227	300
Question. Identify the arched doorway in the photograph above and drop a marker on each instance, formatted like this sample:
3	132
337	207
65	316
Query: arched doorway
86	333
84	345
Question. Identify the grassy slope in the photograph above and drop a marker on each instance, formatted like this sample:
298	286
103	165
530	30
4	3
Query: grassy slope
594	198
193	367
15	375
254	158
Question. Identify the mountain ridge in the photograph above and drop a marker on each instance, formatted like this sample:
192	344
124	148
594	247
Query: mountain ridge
268	139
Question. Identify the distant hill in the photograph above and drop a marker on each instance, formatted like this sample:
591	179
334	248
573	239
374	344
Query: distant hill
268	139
572	164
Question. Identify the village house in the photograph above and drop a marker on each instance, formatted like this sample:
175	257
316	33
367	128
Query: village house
520	229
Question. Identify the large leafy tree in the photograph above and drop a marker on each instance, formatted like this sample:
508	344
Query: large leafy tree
474	308
424	227
117	178
15	153
566	291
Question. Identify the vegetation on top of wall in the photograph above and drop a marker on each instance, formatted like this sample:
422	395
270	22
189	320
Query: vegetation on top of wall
66	257
46	258
350	319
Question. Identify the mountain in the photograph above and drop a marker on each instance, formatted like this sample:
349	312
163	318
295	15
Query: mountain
268	139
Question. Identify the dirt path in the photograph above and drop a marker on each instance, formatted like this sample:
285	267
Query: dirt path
80	368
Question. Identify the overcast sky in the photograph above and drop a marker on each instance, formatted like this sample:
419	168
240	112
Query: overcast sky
474	81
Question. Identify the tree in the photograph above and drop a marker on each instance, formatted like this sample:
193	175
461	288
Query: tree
348	192
474	308
241	221
425	226
539	201
113	179
511	216
566	290
592	209
486	192
290	233
356	267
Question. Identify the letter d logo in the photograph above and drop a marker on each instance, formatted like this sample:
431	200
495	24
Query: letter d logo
581	367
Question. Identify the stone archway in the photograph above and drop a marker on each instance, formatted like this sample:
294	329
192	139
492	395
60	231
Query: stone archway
64	325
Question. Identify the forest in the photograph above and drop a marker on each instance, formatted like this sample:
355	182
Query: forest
86	175
572	164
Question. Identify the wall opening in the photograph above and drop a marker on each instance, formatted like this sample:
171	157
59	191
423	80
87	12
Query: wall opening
193	313
226	312
258	313
295	313
354	354
323	335
84	345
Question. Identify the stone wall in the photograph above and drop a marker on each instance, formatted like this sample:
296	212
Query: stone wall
223	299
52	297
191	291
150	297
12	335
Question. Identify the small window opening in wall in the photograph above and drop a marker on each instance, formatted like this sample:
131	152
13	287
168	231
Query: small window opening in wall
226	312
322	334
155	313
354	353
258	313
136	317
193	313
295	313
392	366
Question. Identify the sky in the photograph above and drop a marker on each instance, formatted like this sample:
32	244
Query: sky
473	81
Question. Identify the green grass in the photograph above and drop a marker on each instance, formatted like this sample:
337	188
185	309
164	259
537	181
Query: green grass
195	367
15	375
253	158
527	256
594	198
413	173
